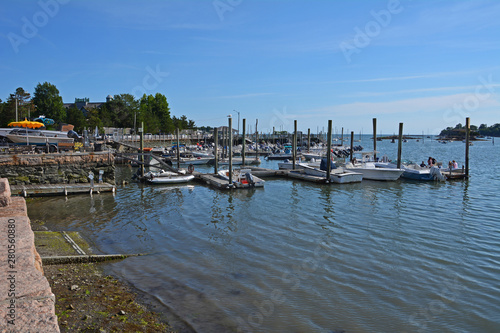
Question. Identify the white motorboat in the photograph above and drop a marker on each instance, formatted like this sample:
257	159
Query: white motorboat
239	161
37	137
242	178
288	165
338	175
191	160
167	177
416	172
370	171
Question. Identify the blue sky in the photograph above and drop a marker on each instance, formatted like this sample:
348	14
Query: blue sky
428	64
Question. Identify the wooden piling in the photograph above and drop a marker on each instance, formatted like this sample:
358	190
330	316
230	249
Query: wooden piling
230	149
294	144
400	144
352	146
256	139
243	143
216	146
375	138
178	149
141	133
329	150
308	139
467	139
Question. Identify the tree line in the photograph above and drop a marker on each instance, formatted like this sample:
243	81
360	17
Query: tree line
483	129
122	111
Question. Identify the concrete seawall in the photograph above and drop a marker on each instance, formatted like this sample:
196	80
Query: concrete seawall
24	169
26	300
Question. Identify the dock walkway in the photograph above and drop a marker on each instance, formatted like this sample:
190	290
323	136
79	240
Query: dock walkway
60	189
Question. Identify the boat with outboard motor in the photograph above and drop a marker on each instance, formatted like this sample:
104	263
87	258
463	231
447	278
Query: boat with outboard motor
415	172
242	178
28	136
337	174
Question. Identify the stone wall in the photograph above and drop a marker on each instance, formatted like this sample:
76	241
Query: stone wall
28	304
72	168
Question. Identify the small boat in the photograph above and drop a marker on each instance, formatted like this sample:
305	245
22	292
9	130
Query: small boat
280	156
288	165
167	177
337	175
242	178
191	160
239	161
38	137
416	172
370	171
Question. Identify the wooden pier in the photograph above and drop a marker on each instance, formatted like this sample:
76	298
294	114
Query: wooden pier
213	180
60	189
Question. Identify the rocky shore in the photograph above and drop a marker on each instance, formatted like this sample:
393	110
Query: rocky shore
88	300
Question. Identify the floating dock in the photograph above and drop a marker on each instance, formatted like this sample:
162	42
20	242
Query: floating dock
60	189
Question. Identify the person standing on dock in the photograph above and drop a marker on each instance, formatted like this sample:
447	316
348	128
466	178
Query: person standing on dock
455	164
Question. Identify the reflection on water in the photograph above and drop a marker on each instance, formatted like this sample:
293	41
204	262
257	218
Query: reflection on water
301	257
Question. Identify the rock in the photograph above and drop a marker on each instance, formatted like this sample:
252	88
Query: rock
71	307
87	317
122	313
74	287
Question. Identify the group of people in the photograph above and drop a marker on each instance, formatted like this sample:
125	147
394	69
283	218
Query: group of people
432	162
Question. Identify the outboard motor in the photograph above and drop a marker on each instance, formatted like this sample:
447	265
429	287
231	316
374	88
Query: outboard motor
322	165
72	134
250	179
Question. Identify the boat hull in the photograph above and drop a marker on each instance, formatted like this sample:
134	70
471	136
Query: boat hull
370	172
338	176
170	179
38	140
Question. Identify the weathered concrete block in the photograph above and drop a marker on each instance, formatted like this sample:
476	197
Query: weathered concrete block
4	192
28	303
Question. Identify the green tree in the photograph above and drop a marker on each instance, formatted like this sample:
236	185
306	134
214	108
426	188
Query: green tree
94	119
120	111
48	102
155	113
24	104
183	123
76	118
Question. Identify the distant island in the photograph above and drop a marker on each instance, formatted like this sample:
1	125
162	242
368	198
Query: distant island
459	131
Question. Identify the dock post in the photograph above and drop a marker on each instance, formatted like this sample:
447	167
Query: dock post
352	146
274	138
216	145
178	149
243	143
342	137
294	144
467	139
308	140
230	150
329	151
256	140
141	133
400	145
375	139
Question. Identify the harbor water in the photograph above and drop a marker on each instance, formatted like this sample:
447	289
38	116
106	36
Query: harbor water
400	256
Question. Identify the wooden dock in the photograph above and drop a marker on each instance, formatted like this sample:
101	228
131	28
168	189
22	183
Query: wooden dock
213	180
60	189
